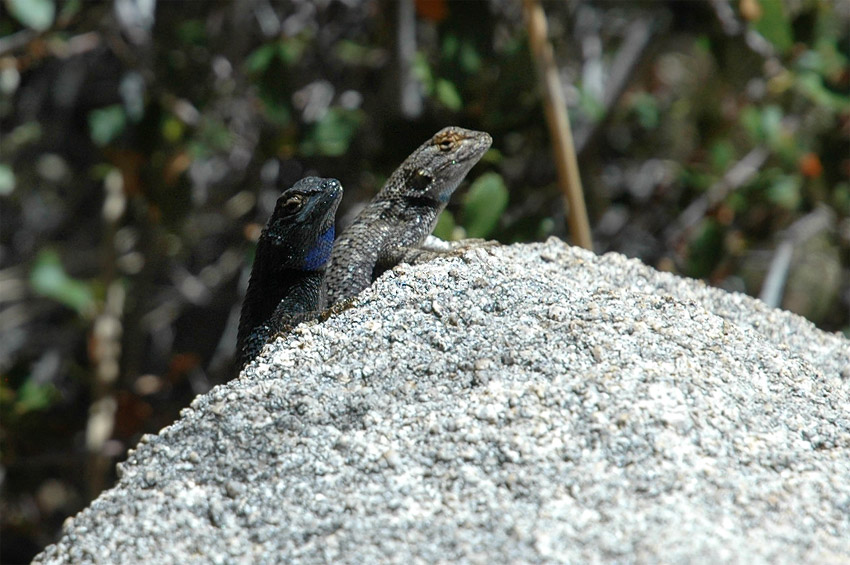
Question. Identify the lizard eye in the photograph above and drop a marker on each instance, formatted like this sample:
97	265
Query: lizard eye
292	204
445	144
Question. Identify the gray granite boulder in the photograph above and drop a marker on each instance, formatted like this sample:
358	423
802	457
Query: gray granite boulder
528	403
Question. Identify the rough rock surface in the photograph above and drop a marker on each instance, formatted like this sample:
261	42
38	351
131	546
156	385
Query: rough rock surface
530	403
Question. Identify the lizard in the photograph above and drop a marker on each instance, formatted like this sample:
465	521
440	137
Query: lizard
289	264
392	228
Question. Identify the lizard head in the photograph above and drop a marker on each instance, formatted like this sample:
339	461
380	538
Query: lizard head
434	171
301	229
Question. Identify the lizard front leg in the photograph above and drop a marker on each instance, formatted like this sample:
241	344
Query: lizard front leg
434	247
430	250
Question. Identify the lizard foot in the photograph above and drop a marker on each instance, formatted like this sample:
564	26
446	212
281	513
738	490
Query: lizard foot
435	247
337	308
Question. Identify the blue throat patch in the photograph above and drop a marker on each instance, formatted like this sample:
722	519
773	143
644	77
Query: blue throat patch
321	252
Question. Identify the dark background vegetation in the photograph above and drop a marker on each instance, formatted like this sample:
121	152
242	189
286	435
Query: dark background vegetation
143	146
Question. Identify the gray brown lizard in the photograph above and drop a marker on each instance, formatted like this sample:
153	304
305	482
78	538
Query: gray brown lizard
394	226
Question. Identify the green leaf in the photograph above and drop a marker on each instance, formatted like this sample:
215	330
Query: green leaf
105	124
722	153
48	278
764	125
545	228
696	179
214	135
592	107
291	49
33	396
277	112
70	9
645	108
771	124
492	157
812	86
702	44
448	95
470	60
333	134
751	122
7	180
353	53
737	202
421	69
193	32
445	226
172	129
484	204
774	25
288	51
450	46
705	249
260	59
841	198
35	14
785	191
830	57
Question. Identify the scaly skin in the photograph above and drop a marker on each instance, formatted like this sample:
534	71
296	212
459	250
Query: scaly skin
289	265
393	227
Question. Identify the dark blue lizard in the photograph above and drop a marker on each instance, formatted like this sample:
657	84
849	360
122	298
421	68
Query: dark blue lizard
289	264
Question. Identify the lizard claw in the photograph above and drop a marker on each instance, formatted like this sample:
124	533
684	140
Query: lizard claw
337	308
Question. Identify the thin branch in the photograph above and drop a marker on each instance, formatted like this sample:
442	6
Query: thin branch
555	107
628	57
411	95
16	40
105	346
774	283
740	173
817	221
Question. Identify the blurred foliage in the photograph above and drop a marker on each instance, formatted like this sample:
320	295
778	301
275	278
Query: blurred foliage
48	278
483	205
34	14
144	144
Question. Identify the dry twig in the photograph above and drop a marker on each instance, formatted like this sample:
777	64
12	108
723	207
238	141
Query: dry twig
559	125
